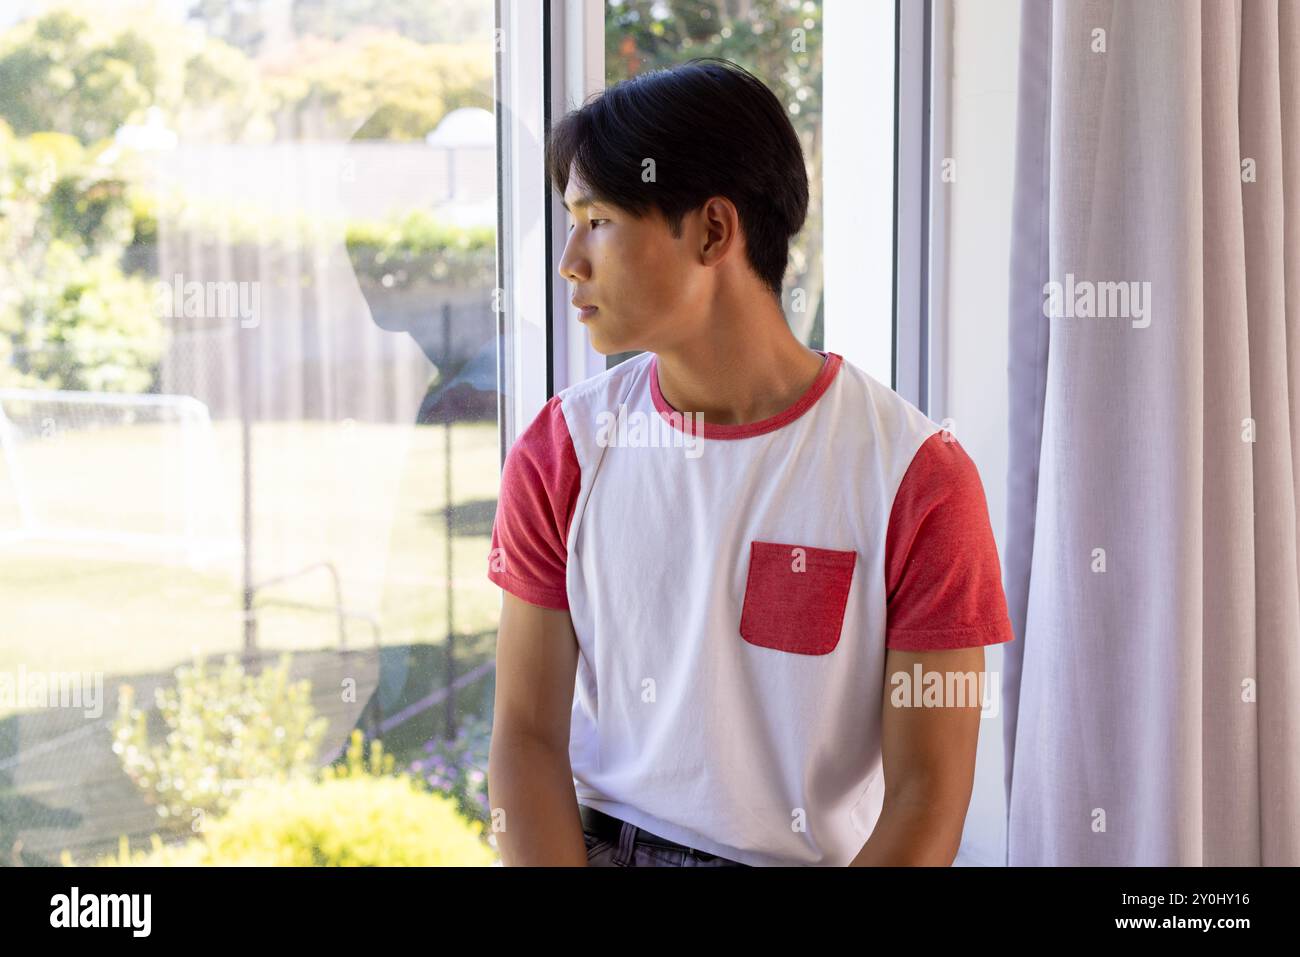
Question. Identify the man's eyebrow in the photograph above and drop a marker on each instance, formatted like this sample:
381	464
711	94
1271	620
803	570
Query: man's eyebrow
584	199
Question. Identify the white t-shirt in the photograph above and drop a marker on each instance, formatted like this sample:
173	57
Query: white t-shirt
734	588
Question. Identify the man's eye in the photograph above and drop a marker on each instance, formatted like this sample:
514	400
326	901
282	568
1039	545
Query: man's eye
595	221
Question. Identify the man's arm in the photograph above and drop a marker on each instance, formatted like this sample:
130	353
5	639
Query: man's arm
929	764
529	775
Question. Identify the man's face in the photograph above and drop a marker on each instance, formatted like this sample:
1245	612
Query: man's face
646	286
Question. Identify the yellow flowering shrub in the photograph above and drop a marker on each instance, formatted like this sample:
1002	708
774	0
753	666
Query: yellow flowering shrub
354	815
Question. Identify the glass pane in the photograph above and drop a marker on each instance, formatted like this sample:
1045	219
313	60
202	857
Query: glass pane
248	407
779	41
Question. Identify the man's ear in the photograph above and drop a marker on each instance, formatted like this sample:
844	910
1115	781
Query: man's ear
719	228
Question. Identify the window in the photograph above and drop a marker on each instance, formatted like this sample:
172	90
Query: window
248	406
271	317
838	86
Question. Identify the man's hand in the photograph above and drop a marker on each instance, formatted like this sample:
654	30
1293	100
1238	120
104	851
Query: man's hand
928	756
530	780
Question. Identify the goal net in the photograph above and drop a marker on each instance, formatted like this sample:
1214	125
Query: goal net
137	472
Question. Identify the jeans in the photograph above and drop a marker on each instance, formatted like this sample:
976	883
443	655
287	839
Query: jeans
628	851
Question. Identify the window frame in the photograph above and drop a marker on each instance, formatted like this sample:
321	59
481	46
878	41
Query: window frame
561	43
916	274
540	350
859	241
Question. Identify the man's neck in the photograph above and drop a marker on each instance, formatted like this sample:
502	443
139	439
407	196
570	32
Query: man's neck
742	374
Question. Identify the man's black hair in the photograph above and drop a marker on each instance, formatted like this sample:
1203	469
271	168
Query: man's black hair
712	129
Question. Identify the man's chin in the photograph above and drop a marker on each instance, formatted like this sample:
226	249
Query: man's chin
602	345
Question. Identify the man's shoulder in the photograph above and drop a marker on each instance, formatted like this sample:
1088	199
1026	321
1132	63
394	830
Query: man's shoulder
584	405
890	422
614	381
563	427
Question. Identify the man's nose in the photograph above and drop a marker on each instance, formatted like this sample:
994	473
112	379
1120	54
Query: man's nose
573	266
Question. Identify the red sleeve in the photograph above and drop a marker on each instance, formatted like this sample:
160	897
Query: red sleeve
943	580
539	487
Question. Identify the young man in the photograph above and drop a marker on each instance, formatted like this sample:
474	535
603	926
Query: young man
740	606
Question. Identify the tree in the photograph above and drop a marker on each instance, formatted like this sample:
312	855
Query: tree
391	87
69	317
54	75
238	23
422	21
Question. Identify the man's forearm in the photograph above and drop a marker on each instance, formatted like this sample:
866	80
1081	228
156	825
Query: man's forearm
532	783
912	834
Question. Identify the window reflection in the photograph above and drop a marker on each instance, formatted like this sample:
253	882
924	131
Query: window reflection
247	409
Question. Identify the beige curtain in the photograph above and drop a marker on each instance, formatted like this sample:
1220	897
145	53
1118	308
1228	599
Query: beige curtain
1154	694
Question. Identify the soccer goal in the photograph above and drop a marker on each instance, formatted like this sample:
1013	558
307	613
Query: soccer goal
137	472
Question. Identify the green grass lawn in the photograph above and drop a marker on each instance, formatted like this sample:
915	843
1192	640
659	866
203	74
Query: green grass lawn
367	498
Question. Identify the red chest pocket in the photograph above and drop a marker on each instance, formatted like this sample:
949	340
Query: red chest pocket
795	596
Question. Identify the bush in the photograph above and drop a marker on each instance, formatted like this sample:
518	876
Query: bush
81	324
228	731
458	768
417	247
354	815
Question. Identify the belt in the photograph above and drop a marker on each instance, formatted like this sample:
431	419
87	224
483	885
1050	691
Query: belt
610	828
